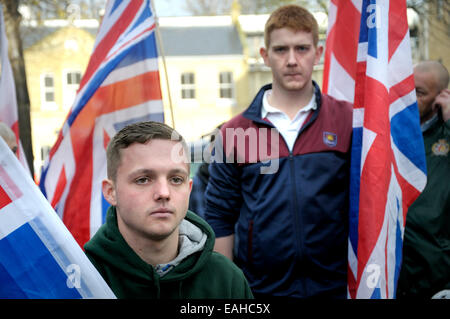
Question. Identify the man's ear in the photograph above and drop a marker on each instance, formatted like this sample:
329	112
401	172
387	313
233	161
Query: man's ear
264	55
319	51
190	185
109	191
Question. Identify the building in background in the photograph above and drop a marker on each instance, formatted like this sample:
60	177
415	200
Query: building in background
430	31
207	73
56	55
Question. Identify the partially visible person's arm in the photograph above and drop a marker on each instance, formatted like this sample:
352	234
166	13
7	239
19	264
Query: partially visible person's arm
223	201
224	246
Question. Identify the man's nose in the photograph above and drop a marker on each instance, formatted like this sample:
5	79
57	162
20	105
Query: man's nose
161	190
292	59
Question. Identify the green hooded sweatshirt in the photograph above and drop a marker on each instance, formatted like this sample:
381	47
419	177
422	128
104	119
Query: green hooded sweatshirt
196	273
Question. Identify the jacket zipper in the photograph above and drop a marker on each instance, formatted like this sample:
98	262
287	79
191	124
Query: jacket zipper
298	224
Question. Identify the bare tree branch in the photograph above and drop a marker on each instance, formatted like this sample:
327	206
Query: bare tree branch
12	26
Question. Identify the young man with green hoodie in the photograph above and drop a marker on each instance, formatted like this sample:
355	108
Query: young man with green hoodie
151	246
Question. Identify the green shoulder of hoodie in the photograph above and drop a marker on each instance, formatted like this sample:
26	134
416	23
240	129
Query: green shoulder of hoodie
204	274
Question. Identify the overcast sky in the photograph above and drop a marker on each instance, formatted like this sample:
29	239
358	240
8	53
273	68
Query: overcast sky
168	8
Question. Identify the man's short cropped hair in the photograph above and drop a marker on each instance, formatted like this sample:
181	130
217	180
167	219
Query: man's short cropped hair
293	17
141	132
438	69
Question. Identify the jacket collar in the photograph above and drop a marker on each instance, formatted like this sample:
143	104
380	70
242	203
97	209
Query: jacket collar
253	112
430	123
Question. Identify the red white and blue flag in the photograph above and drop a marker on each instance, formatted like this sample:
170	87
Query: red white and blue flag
8	100
120	86
368	63
39	259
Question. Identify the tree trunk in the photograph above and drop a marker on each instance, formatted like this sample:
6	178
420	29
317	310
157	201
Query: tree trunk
12	26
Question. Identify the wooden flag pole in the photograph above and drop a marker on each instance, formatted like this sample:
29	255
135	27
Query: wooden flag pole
160	49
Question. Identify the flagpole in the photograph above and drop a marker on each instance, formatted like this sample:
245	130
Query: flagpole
160	48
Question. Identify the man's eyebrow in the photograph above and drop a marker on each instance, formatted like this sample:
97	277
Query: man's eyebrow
283	46
147	171
179	171
141	171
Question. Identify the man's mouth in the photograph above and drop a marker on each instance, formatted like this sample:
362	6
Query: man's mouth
161	212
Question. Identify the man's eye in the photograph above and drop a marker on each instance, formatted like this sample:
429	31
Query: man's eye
177	180
302	48
142	180
280	49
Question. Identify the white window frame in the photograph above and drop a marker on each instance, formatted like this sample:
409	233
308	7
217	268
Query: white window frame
188	87
69	89
226	101
229	86
48	105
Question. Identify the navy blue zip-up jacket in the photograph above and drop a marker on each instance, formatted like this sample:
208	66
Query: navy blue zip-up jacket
291	220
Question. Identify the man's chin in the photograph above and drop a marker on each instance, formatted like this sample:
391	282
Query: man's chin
294	86
159	235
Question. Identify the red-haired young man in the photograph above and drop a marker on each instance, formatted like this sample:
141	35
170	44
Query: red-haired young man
285	225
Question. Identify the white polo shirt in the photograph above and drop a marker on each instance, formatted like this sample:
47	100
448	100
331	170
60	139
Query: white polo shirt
288	128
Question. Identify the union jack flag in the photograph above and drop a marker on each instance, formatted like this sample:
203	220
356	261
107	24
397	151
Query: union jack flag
8	101
368	62
38	256
120	86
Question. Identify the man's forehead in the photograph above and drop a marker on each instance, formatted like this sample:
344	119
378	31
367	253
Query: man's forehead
163	148
304	37
427	76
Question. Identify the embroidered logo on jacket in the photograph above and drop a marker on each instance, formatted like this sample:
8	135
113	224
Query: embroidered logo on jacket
330	139
440	148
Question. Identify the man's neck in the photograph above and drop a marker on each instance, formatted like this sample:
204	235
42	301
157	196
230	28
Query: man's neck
290	102
158	252
425	125
427	116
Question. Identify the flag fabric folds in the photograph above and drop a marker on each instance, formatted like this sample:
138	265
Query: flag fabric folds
8	100
368	62
120	86
38	256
